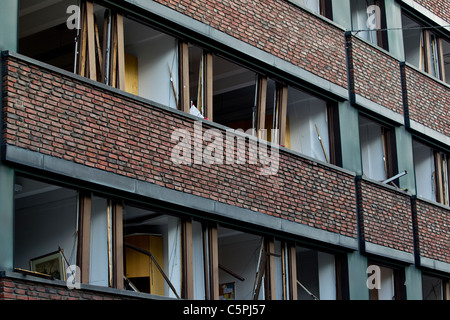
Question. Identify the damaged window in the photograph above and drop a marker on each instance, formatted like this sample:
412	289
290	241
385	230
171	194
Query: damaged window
425	49
316	275
388	282
369	21
43	33
432	173
152	251
45	227
377	149
435	288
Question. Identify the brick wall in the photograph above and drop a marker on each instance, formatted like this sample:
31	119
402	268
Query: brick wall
428	100
58	116
385	216
433	230
277	27
16	289
441	8
375	75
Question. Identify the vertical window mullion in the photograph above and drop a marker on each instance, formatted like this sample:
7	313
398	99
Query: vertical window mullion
84	235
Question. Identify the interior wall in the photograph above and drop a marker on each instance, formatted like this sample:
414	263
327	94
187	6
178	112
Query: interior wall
360	18
327	276
307	274
157	55
198	265
424	170
45	221
304	112
239	252
172	255
386	291
372	149
98	268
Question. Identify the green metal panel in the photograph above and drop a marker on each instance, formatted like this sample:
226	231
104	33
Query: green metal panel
349	129
357	276
9	18
413	279
405	159
394	26
342	13
6	218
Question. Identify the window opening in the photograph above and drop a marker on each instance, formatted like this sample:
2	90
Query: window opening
45	232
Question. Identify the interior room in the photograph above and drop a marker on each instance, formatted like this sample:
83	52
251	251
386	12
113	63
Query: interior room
424	168
376	152
45	226
158	234
234	94
368	17
432	287
239	252
316	275
423	49
307	125
43	33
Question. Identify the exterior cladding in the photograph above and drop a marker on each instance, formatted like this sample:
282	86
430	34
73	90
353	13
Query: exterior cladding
433	225
441	8
427	100
385	216
68	119
277	27
375	74
14	289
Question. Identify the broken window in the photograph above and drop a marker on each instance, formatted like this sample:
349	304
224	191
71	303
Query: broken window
235	90
377	149
108	48
151	63
45	227
435	288
369	21
43	33
322	7
309	126
388	282
432	173
152	250
425	49
316	275
241	265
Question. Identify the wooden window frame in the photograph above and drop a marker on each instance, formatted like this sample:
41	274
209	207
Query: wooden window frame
115	240
107	67
442	177
84	235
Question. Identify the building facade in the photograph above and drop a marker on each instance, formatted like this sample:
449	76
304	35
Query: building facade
206	150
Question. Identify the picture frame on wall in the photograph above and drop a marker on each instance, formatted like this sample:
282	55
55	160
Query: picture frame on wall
51	264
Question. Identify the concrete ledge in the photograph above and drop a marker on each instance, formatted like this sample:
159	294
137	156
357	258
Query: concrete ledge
420	128
388	252
434	264
217	210
379	110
